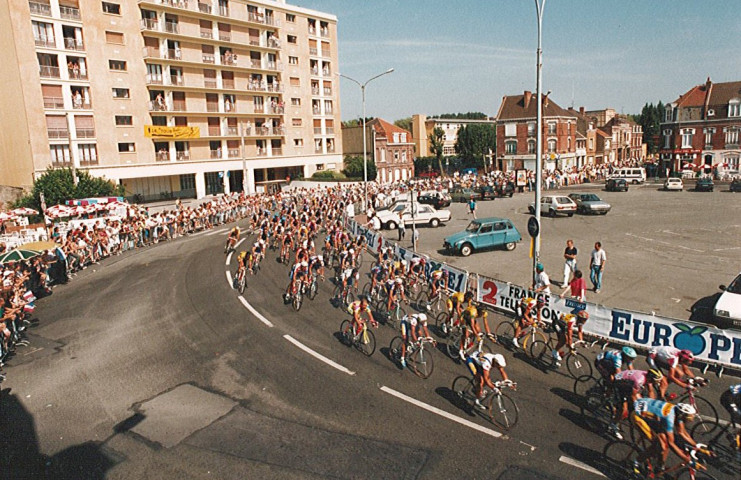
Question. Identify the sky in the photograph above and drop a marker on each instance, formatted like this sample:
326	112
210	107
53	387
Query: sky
465	55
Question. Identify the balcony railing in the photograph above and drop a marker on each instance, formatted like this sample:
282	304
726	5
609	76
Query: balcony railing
151	52
40	9
207	34
227	84
317	130
233	153
175	3
313	51
57	133
330	149
82	105
204	8
274	66
262	152
273	42
276	151
85	132
178	106
318	150
154	79
327	90
229	59
312	30
324	32
44	42
225	36
325	53
155	106
329	130
210	83
163	156
278	110
53	102
182	155
216	153
315	91
254	41
69	13
177	80
223	11
232	131
255	63
48	71
172	27
149	24
208	58
214	131
76	74
258	109
174	54
73	44
212	107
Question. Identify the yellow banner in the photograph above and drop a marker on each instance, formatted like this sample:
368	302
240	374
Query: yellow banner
158	131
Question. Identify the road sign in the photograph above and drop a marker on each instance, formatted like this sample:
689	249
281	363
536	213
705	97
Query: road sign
533	227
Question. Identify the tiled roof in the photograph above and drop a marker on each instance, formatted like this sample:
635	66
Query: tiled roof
513	107
387	130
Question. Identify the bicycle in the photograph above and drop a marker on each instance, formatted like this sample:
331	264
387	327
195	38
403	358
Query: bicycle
472	343
505	334
576	363
725	443
374	293
500	407
418	357
444	323
622	457
364	341
427	302
256	263
285	256
704	408
342	297
297	296
395	314
241	280
313	287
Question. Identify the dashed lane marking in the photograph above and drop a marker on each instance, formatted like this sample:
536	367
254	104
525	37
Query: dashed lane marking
664	243
229	259
255	312
318	356
238	244
442	413
578	464
229	279
215	232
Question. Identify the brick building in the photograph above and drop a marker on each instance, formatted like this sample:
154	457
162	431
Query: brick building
701	129
516	133
389	146
422	127
626	135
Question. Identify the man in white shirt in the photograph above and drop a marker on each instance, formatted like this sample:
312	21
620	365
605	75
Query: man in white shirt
542	283
597	266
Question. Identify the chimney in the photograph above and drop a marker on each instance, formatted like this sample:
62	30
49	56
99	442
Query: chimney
581	110
528	96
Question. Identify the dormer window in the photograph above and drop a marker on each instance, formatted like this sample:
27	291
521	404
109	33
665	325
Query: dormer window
734	108
669	111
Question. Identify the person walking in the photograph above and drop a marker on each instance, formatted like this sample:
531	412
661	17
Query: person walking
569	266
597	266
402	227
415	239
472	207
542	283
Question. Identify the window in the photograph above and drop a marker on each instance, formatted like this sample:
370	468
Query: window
293	60
114	37
668	116
510	147
119	65
112	8
551	144
551	129
708	135
731	135
591	144
87	153
734	108
159	121
120	93
510	129
292	39
290	18
667	138
60	154
296	102
43	34
687	135
295	82
298	142
531	146
530	129
296	122
124	121
126	147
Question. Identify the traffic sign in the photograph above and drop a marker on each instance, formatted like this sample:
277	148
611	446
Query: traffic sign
533	227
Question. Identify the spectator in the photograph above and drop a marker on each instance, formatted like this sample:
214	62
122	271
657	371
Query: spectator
597	266
402	227
569	266
472	207
577	287
542	283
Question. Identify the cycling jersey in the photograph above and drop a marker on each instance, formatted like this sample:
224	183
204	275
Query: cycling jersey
378	273
564	323
242	255
437	274
355	307
408	324
611	360
667	357
629	381
470	313
658	414
480	362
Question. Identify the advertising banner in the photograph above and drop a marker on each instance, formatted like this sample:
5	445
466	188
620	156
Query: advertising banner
159	131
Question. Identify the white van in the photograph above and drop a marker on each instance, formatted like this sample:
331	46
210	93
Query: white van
630	174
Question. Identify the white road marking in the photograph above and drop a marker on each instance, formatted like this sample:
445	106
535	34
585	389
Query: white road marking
255	312
665	243
238	244
442	413
578	464
229	279
199	233
532	447
318	356
215	232
725	249
229	259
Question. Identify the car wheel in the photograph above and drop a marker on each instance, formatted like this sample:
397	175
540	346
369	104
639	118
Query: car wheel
391	225
510	246
551	213
434	223
571	214
531	210
466	249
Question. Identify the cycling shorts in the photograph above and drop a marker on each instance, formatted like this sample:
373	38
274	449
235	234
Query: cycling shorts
642	426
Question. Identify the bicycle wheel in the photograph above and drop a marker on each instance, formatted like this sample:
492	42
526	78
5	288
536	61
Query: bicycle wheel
395	349
422	362
423	302
597	412
620	456
398	313
313	290
532	337
705	410
578	365
503	410
441	325
367	290
297	301
349	298
366	343
454	344
346	332
586	384
685	475
505	333
359	260
539	353
722	442
463	389
336	292
242	283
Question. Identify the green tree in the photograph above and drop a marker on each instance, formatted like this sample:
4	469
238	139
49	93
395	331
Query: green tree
436	139
357	122
474	141
650	121
405	123
58	186
463	116
354	167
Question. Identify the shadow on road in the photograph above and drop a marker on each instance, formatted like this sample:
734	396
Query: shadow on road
568	395
455	400
20	456
590	457
702	309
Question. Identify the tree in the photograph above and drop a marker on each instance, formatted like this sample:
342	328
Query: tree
405	123
463	116
650	121
436	146
356	122
354	167
58	186
474	141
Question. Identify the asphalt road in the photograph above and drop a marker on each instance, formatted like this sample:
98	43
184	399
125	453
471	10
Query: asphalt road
150	366
666	251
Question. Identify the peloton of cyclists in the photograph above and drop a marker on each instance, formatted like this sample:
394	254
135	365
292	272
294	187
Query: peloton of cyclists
677	363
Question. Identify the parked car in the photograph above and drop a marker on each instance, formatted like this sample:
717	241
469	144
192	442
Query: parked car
728	307
704	184
491	192
460	194
735	185
616	185
486	192
506	190
673	184
423	214
552	205
590	203
436	199
482	234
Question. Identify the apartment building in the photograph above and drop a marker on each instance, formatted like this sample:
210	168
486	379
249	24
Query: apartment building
168	97
390	147
422	127
627	135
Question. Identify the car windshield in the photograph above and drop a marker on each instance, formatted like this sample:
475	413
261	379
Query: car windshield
590	197
735	286
565	200
399	208
473	227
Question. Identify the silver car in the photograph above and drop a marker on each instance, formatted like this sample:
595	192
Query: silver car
590	203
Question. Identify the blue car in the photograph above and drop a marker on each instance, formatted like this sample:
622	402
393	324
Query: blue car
482	234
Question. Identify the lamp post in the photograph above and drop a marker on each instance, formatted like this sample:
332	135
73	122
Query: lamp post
365	147
539	6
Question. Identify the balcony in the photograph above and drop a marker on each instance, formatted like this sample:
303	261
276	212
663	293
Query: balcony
85	132
223	11
227	84
232	131
213	131
210	83
258	109
76	74
327	91
216	153
233	153
47	71
255	41
53	102
277	151
43	9
44	42
208	58
330	149
229	59
212	107
315	91
324	32
176	81
204	8
69	13
178	106
207	34
174	54
155	106
274	66
57	133
225	36
258	17
317	130
262	152
73	44
255	63
152	52
172	27
182	156
312	30
154	79
277	110
81	105
329	130
313	51
163	156
175	3
325	53
149	24
273	42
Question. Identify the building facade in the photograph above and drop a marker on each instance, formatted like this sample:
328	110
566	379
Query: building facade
516	134
701	129
422	128
390	147
626	135
256	78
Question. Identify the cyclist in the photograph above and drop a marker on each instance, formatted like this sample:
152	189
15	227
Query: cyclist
357	309
564	327
676	362
611	362
469	318
455	305
657	421
731	401
299	273
256	256
438	281
286	244
480	364
378	275
316	266
395	293
629	386
232	239
526	314
242	260
411	327
417	266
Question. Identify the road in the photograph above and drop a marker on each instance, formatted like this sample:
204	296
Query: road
150	366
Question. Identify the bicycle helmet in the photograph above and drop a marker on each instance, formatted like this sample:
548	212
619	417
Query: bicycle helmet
686	356
539	267
468	297
686	409
736	389
422	317
655	375
525	301
582	316
629	352
499	358
399	281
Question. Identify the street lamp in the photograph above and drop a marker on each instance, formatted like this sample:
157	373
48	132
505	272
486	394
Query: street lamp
539	6
365	148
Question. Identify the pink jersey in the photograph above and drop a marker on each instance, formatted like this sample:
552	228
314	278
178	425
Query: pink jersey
636	377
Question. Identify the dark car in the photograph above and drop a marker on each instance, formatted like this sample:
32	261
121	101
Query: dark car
616	185
486	192
460	194
704	184
436	199
506	190
735	185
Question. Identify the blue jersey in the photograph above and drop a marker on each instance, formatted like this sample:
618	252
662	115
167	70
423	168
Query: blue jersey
611	358
660	415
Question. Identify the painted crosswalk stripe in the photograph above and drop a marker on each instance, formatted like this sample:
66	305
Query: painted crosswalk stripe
318	356
255	312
